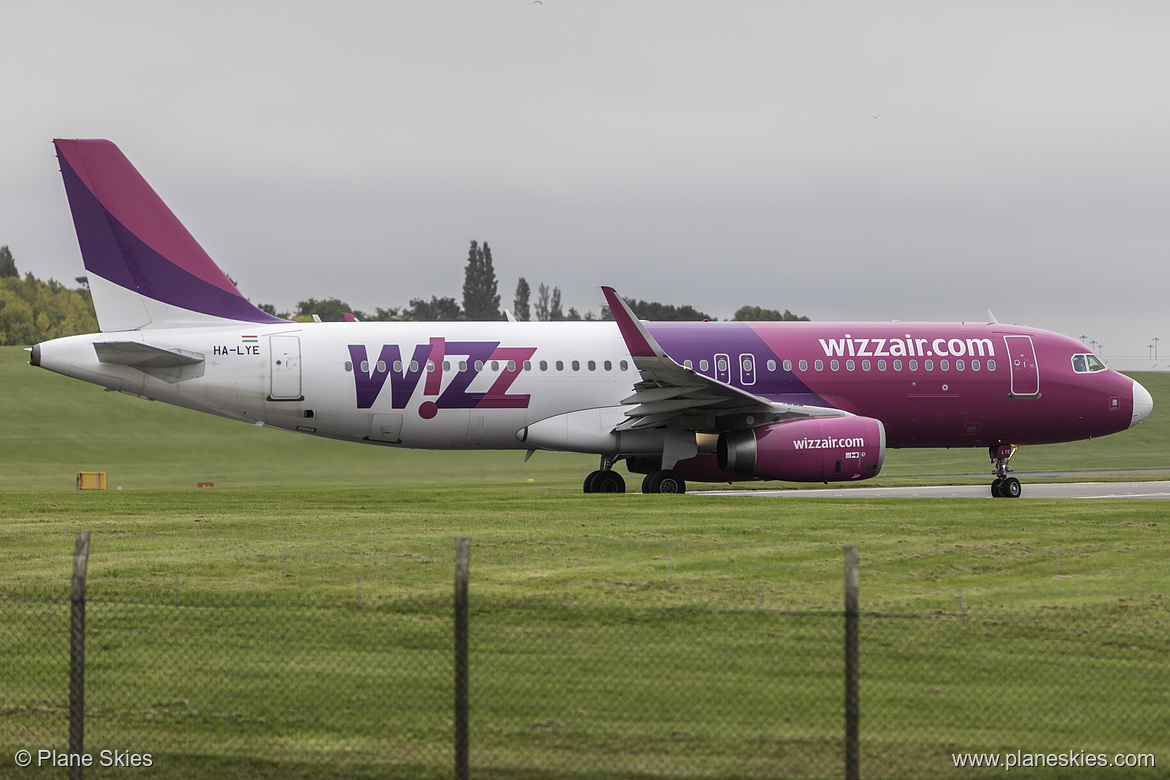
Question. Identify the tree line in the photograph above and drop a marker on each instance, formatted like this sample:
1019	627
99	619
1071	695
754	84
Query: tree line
481	302
32	310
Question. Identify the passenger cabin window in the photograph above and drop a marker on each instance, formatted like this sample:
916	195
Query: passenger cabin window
1087	364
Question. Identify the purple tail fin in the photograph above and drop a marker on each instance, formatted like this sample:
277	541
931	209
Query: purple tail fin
145	269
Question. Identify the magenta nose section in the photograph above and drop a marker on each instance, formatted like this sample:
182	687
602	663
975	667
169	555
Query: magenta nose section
1143	404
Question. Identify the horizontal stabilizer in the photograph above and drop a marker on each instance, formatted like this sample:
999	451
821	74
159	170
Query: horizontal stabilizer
131	353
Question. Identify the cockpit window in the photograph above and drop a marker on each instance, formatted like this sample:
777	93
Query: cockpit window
1087	364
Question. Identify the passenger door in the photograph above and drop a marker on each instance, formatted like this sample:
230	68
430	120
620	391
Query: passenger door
1022	362
285	360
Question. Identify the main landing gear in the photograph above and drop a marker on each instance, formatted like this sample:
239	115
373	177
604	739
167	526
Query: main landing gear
606	480
663	481
1004	486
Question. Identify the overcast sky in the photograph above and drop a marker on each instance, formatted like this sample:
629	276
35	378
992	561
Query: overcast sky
875	160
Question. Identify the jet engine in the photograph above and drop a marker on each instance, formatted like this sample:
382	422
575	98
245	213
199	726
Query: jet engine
821	449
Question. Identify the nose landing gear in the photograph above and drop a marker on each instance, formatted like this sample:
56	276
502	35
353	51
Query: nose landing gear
1004	486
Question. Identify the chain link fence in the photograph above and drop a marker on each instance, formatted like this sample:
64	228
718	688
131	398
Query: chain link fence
192	681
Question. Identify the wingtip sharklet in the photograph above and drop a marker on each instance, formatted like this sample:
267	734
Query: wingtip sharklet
638	339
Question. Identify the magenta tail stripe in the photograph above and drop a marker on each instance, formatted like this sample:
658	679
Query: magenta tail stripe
128	236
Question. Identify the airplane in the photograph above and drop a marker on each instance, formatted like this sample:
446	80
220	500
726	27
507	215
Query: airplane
677	401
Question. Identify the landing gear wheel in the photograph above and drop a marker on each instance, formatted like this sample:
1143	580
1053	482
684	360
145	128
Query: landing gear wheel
609	481
664	481
604	481
1004	486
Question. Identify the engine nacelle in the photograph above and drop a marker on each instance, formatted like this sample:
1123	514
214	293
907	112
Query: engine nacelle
821	449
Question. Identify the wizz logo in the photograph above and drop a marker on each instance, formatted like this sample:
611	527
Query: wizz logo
404	377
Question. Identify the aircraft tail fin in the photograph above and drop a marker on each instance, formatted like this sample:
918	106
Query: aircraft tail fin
144	269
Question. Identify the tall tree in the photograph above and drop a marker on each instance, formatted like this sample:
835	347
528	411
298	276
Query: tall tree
555	312
481	301
542	302
520	306
7	263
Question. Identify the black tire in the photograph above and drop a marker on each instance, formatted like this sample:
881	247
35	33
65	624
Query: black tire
590	485
1011	488
665	481
609	481
995	487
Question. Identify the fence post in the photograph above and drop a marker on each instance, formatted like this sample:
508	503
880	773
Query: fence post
852	647
77	654
462	560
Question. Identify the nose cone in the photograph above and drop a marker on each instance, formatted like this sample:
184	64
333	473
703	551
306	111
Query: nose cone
1143	404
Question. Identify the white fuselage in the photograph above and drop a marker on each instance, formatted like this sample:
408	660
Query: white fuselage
471	385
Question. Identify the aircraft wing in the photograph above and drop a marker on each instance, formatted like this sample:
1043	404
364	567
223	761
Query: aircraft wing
671	393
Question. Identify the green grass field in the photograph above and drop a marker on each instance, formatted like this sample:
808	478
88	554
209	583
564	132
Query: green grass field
294	621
